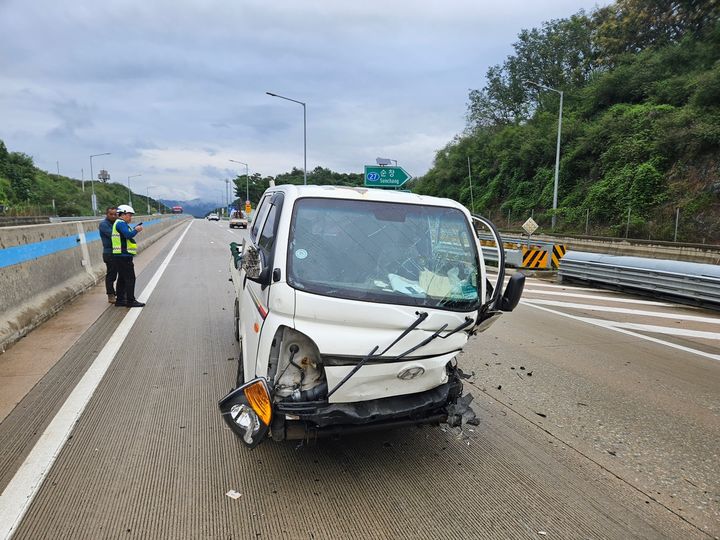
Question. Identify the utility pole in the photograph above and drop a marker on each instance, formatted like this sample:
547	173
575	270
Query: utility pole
557	149
472	201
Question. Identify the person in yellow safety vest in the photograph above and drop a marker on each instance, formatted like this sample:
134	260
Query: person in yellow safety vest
124	249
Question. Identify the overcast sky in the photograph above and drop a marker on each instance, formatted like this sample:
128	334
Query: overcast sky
175	89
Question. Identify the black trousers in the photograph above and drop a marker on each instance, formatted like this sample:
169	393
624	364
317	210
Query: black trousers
125	290
111	274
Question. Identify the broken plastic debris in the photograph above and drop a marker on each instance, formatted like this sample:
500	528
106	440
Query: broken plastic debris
233	494
542	533
464	375
463	408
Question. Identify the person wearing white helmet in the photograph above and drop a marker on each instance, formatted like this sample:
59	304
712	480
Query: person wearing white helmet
105	228
124	249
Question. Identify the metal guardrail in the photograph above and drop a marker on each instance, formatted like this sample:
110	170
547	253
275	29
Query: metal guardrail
695	282
513	257
60	219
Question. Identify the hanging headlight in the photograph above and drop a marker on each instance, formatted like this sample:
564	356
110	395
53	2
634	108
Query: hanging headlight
248	411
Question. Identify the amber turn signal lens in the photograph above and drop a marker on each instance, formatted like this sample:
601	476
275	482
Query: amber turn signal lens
259	400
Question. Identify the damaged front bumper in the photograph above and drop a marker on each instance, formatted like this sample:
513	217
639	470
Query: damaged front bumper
250	413
309	420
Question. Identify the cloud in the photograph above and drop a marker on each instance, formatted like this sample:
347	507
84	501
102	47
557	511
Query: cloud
175	89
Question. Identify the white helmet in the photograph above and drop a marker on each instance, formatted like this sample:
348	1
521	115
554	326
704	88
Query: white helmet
125	209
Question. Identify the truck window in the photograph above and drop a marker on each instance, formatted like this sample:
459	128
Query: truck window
266	241
260	214
384	252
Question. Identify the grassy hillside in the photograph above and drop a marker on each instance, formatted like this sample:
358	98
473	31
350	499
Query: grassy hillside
26	190
640	128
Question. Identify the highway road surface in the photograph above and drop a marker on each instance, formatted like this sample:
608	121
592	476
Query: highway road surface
599	418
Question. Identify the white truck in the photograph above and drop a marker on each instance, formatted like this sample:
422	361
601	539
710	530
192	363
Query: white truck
351	307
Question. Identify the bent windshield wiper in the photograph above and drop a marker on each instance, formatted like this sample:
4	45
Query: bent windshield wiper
354	370
468	322
422	315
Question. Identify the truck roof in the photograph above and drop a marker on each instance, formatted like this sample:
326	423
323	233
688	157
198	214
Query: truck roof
363	193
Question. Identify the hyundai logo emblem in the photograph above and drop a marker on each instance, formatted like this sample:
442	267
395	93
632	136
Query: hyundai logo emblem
410	373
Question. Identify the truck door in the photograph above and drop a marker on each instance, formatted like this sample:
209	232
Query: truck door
254	303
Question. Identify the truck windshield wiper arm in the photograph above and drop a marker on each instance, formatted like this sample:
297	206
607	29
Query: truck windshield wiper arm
468	322
360	364
422	315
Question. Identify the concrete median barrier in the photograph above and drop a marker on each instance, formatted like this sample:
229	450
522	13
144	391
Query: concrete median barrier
42	267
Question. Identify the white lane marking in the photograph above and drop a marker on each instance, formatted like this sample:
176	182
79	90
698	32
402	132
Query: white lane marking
23	487
653	329
598	297
543	284
609	326
627	311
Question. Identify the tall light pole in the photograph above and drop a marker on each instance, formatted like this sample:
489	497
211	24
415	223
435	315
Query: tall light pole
92	182
130	192
472	201
147	196
304	131
557	150
247	178
227	200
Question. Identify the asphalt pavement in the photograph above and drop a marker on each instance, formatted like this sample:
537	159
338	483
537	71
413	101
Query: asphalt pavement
586	431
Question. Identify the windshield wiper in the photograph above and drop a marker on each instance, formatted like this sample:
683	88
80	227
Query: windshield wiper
422	315
468	322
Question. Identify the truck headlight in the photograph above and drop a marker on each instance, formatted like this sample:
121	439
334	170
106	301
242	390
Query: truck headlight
248	411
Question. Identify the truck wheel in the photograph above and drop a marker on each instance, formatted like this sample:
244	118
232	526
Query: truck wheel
236	321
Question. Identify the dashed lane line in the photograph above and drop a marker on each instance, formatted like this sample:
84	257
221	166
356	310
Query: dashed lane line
609	325
598	297
627	311
669	330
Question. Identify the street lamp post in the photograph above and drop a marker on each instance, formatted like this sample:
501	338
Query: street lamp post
130	192
92	182
472	200
147	196
227	200
557	150
304	131
247	178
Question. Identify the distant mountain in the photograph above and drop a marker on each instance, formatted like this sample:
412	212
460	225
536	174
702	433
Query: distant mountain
196	207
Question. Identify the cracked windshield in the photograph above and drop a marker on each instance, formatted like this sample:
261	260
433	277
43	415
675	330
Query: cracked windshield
384	252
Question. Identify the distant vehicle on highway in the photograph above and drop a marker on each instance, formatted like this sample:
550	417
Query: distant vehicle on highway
351	307
177	209
213	217
238	220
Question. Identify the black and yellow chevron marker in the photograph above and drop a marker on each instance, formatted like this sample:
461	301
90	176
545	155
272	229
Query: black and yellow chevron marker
534	258
557	253
506	245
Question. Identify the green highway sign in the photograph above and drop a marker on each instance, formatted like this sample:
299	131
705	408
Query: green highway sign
385	176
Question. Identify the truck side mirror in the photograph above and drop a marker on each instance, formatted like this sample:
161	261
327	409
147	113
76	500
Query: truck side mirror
513	292
253	262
